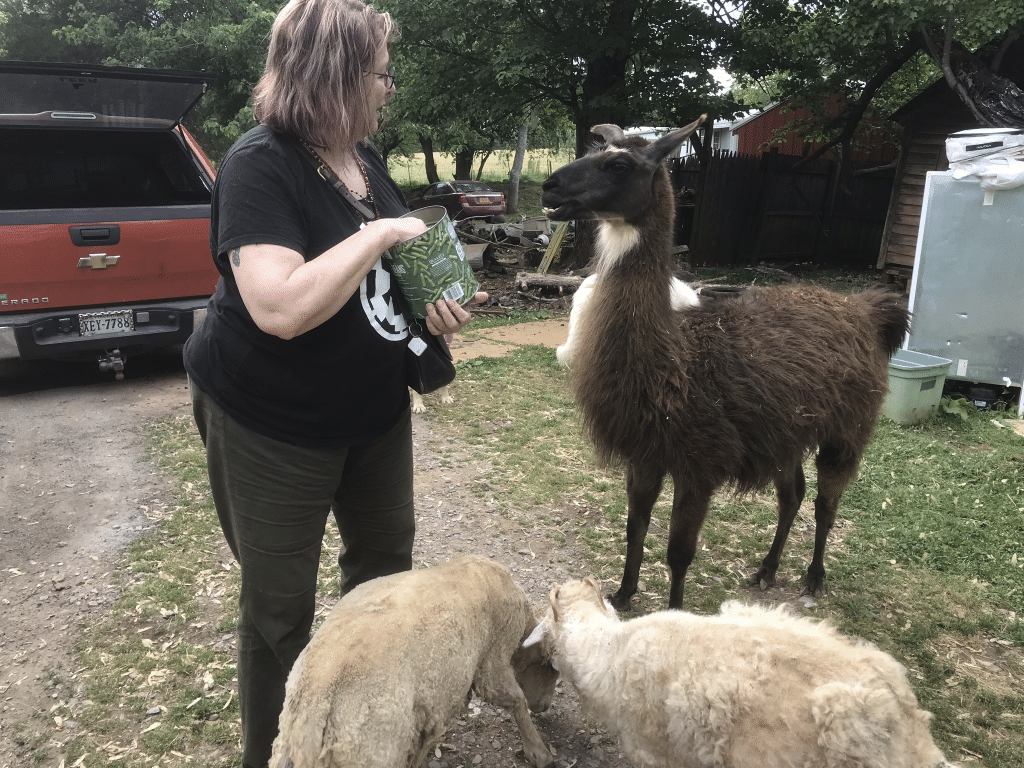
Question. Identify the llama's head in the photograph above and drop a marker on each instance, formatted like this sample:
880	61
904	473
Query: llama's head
615	181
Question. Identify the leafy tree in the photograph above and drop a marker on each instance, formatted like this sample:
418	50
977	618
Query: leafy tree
451	93
619	61
874	52
626	62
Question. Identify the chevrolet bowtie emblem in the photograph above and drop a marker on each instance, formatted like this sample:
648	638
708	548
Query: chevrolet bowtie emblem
97	261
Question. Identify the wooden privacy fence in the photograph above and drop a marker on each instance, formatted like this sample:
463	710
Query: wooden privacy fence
742	209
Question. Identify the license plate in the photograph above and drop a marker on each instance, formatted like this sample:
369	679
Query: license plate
105	323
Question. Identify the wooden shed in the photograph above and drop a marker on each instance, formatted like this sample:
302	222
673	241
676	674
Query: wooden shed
927	120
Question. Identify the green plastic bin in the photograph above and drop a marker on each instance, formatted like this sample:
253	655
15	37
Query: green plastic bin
915	386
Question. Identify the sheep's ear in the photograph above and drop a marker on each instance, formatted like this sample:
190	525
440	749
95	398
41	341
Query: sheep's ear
553	599
611	134
591	582
538	634
670	142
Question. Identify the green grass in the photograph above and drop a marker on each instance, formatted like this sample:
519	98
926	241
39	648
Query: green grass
927	561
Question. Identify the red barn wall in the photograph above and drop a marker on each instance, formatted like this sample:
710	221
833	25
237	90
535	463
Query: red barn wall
755	137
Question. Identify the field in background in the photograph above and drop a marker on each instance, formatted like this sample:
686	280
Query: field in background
410	171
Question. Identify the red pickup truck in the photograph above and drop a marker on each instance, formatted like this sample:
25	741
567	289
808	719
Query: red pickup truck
104	212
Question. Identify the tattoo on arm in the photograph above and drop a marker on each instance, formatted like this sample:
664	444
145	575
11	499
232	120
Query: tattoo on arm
236	256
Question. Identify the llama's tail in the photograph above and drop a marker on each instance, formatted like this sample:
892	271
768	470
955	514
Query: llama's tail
892	318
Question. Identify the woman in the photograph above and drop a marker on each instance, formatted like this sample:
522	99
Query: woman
298	371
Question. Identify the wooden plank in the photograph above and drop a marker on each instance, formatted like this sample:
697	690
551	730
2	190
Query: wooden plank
554	246
905	229
908	208
902	250
527	280
899	258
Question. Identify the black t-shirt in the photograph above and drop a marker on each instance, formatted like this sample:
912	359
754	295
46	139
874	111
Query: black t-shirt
341	383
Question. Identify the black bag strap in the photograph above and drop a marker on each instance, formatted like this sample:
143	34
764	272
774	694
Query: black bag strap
324	172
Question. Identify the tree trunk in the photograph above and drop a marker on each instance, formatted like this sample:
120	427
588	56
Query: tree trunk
480	169
464	164
582	246
604	98
512	201
427	144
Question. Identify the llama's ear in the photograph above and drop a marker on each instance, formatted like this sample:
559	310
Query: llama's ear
611	134
670	142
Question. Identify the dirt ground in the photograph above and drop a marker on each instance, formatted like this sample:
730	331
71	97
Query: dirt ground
76	487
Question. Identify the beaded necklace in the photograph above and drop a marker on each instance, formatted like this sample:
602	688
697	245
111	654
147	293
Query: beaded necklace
362	172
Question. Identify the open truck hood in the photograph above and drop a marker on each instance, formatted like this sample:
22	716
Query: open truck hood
86	96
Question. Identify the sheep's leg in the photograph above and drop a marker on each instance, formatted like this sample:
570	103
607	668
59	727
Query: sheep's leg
496	683
689	508
790	488
643	485
836	468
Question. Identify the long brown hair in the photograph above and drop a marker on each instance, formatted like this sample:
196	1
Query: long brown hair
313	84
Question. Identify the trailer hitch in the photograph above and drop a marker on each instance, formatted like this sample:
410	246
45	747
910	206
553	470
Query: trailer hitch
113	360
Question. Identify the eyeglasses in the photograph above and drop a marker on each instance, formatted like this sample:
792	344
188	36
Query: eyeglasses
389	77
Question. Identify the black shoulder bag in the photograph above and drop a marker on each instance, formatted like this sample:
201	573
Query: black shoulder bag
428	361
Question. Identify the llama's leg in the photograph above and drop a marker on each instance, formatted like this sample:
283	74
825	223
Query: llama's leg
836	468
790	487
643	485
689	508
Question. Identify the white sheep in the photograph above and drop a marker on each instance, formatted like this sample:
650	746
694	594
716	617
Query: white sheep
396	659
748	688
680	295
417	399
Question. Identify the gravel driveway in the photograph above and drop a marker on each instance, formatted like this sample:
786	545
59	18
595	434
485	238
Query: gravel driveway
76	487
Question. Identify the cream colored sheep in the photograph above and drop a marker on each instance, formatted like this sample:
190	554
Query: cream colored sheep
397	658
417	399
680	295
748	688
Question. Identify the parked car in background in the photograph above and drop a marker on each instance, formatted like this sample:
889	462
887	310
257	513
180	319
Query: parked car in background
104	212
463	200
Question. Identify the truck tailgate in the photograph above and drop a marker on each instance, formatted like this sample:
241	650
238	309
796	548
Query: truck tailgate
91	261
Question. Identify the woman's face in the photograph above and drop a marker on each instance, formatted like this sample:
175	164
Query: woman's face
380	88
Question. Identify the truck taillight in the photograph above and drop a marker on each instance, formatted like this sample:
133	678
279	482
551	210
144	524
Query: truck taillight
464	200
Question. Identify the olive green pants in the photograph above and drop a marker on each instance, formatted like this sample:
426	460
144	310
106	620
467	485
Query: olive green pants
273	500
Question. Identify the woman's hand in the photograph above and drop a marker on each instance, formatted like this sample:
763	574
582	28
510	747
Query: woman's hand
401	229
447	317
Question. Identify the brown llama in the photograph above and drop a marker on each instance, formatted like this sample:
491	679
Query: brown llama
735	392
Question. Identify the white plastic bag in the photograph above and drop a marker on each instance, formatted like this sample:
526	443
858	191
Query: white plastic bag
994	155
983	142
